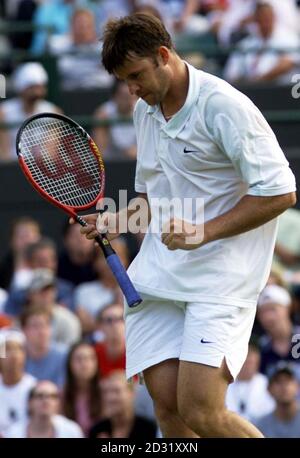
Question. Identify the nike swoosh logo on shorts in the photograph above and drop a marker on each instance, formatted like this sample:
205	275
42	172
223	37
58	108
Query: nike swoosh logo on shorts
205	341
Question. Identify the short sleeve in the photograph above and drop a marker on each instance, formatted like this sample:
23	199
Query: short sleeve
243	134
140	185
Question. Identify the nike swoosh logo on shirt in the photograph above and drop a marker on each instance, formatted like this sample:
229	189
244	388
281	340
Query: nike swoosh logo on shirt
205	341
190	150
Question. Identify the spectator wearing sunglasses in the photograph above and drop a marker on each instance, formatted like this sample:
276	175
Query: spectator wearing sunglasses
111	351
44	421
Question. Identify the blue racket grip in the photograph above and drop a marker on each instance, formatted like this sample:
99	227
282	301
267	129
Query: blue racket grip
132	296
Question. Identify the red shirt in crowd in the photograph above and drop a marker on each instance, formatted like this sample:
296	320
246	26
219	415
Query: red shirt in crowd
106	364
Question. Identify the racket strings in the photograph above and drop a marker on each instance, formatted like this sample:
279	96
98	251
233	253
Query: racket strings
60	161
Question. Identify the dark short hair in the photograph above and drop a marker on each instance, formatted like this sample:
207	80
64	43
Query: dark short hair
139	34
280	368
44	242
261	5
34	310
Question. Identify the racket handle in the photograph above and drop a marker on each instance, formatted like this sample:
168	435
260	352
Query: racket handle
132	296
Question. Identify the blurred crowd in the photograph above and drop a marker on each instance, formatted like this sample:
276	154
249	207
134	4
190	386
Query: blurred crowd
61	311
62	327
261	39
62	330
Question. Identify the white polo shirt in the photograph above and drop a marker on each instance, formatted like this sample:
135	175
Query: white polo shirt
218	147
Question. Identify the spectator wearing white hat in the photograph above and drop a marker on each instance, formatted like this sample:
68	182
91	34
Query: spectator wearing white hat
30	84
274	308
15	383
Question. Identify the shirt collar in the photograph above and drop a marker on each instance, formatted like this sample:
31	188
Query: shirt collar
179	120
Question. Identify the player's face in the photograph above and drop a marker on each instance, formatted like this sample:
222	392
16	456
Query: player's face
147	78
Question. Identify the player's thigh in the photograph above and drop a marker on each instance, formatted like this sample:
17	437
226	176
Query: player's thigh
161	382
201	387
215	345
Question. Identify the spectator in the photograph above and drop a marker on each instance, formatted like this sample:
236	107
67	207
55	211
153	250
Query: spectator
120	420
91	297
41	254
81	394
275	278
24	231
107	9
78	62
30	81
65	326
55	15
15	383
287	14
75	261
44	421
117	141
274	316
111	352
182	16
44	360
272	59
232	20
248	395
284	421
287	248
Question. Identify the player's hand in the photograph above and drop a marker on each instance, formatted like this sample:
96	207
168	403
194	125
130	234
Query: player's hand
180	234
107	223
98	223
90	230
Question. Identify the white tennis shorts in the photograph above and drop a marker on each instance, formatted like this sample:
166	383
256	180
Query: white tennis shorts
160	329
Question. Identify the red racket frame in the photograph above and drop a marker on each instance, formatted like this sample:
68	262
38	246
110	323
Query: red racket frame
71	210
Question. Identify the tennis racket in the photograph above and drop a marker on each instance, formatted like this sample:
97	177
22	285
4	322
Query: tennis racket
64	165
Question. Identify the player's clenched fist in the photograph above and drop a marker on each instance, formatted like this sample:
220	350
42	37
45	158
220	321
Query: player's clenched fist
180	234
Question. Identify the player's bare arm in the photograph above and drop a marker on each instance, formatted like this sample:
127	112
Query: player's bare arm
249	213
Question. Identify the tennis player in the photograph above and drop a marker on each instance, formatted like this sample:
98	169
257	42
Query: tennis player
197	136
